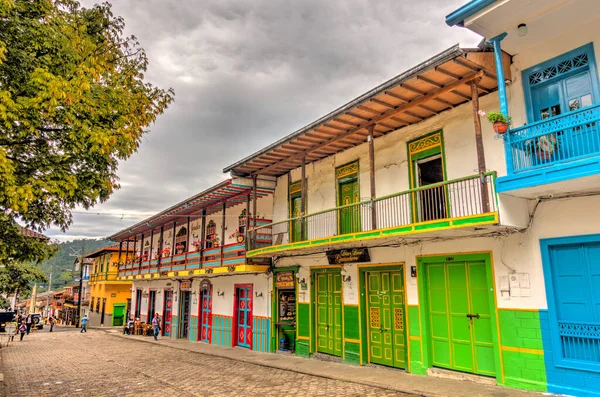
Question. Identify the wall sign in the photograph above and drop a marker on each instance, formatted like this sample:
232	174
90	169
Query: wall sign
185	285
284	280
113	295
351	255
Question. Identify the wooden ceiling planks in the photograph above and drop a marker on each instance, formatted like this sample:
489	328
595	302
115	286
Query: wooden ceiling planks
417	97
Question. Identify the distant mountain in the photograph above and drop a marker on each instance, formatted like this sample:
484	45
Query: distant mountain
62	263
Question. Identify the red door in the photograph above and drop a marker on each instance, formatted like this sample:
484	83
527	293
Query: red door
206	315
168	308
243	315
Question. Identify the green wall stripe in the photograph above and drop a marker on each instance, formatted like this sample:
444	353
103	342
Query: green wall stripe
351	323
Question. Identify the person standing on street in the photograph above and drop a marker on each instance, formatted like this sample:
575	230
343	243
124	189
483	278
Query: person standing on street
156	326
84	321
51	321
28	323
22	329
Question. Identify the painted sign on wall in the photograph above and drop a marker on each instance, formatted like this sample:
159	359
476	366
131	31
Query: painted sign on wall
351	255
186	285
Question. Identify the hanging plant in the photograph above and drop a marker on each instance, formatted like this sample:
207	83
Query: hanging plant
499	121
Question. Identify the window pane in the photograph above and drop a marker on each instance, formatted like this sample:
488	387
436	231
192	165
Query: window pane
574	104
586	100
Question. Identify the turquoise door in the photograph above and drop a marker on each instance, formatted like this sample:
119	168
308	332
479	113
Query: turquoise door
576	291
206	315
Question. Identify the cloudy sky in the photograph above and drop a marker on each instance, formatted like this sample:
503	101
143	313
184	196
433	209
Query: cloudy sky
246	73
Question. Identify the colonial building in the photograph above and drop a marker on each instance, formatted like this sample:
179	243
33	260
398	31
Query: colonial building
414	236
190	266
109	296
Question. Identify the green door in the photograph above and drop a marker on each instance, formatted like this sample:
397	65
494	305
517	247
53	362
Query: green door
459	316
296	224
349	217
387	338
118	315
328	286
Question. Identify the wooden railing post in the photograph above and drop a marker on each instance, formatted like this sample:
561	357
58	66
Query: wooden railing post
254	209
302	202
223	231
202	237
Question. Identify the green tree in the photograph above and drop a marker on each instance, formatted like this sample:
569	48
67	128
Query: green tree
73	103
19	277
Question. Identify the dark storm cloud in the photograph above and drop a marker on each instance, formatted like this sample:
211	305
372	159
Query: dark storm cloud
247	73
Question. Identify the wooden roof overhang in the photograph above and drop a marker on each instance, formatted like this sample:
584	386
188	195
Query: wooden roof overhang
434	86
211	200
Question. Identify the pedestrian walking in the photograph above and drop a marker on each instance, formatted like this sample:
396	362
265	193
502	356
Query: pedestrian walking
156	326
22	329
51	321
84	321
28	323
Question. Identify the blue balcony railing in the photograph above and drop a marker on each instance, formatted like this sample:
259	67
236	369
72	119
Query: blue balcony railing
567	137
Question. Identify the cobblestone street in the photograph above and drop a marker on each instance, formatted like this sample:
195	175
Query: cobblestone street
97	364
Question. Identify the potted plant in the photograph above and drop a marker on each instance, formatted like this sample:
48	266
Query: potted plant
197	244
238	236
165	253
499	121
214	240
543	147
179	249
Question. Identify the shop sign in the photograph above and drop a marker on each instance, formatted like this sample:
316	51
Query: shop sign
205	285
284	280
351	255
186	285
287	305
113	295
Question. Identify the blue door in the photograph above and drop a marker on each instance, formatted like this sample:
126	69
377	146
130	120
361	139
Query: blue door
560	86
576	291
244	317
206	315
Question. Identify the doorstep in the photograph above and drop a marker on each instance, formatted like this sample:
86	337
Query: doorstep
375	376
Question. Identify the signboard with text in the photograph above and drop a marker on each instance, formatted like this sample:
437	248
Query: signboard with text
350	255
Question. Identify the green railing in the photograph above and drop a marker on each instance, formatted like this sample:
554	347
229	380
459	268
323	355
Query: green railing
468	196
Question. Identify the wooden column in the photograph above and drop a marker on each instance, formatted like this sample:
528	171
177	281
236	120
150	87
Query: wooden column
302	200
173	243
187	240
485	200
247	221
141	249
120	250
160	245
372	176
151	246
134	244
202	237
254	204
224	220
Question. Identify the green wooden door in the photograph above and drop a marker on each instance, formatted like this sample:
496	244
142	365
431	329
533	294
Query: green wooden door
118	315
296	224
349	217
460	321
387	338
328	311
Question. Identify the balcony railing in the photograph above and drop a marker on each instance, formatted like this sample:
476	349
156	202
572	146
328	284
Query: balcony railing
470	196
228	255
112	276
561	138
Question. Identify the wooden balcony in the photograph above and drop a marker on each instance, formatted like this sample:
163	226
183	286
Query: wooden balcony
228	258
435	210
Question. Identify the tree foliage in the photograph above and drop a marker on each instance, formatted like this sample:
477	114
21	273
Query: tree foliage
73	103
19	277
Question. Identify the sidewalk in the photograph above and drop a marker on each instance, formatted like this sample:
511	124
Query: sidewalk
385	378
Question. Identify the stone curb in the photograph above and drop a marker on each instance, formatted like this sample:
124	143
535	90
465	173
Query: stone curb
409	391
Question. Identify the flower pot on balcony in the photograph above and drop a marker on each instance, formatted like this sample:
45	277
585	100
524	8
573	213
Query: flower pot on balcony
500	127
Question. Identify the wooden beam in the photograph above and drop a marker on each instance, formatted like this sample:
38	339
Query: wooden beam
368	109
397	96
429	81
358	116
475	67
398	109
383	103
447	73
